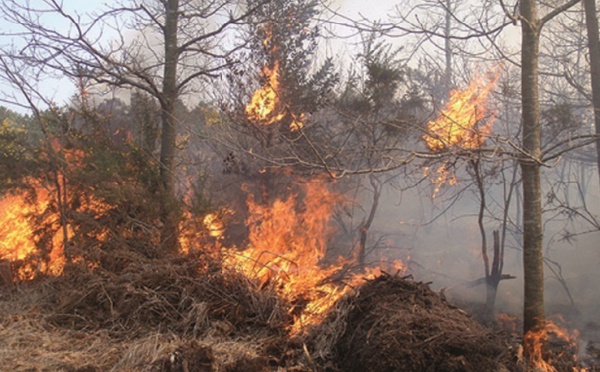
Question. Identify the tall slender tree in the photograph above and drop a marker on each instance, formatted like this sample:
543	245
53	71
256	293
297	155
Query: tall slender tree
591	22
533	265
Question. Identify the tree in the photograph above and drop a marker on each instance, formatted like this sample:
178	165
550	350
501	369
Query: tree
591	21
531	26
377	107
530	154
175	44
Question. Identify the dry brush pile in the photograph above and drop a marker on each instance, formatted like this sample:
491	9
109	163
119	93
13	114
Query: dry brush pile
190	314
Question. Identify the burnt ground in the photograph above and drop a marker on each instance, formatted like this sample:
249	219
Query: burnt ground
188	314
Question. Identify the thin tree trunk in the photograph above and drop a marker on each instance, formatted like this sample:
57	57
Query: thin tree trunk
495	276
169	214
533	316
482	203
591	21
448	51
364	230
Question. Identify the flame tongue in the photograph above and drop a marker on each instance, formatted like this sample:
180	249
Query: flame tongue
462	124
17	236
537	339
288	239
264	107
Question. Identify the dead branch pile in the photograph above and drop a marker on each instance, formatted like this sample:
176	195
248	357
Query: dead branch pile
396	324
184	295
188	313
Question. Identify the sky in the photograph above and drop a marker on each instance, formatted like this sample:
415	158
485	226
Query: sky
59	90
343	49
54	88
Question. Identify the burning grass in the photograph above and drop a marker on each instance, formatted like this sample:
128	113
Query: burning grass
270	305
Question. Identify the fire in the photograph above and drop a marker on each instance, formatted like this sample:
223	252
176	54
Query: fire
288	240
214	224
17	241
465	122
19	238
266	107
536	339
443	175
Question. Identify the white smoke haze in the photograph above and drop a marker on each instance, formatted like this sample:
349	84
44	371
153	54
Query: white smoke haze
447	251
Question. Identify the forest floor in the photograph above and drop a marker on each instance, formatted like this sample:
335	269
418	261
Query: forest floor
188	314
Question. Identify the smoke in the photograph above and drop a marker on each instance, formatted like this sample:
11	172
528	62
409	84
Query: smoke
441	240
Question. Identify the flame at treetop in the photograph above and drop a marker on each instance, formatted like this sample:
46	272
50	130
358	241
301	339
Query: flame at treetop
266	107
465	122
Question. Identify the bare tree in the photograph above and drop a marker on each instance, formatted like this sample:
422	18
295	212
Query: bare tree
163	48
591	21
533	264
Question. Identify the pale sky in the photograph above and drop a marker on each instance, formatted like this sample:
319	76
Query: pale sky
60	90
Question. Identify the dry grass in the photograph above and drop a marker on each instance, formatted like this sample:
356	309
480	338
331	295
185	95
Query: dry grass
177	315
28	342
171	315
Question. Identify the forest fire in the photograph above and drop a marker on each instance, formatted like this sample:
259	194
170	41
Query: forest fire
17	242
464	124
537	340
264	107
288	241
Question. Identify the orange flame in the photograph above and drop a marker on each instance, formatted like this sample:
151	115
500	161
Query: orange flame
288	240
265	107
536	339
464	123
214	224
17	241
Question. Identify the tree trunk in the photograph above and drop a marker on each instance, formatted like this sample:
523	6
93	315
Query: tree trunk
364	230
482	204
533	316
448	51
493	280
169	214
591	21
